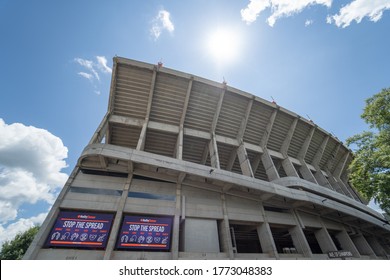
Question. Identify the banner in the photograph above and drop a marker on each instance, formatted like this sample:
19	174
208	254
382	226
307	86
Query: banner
80	230
145	233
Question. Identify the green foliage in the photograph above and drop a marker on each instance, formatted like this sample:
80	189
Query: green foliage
16	248
370	168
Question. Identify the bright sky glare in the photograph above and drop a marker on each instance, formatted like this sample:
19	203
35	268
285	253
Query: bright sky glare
317	58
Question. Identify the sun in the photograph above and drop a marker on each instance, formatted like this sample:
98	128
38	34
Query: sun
224	45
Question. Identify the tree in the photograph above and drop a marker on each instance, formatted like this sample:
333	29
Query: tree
370	167
17	247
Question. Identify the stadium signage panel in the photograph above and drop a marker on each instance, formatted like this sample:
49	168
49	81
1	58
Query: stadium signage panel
340	254
145	233
80	230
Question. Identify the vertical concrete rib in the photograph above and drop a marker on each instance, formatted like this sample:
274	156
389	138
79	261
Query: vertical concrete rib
305	171
118	218
363	246
225	230
287	140
265	236
39	239
324	239
286	162
142	137
299	238
179	143
176	220
214	157
267	132
347	243
321	179
245	165
244	122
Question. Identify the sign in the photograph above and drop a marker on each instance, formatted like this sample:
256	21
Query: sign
80	230
340	254
145	233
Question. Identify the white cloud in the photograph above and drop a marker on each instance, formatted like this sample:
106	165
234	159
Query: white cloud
86	75
308	22
102	64
254	8
31	160
88	65
10	231
160	23
357	10
279	8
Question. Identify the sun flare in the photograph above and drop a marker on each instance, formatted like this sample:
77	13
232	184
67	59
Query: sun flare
224	45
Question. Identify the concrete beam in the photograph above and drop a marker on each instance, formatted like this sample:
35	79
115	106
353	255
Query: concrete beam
126	120
100	132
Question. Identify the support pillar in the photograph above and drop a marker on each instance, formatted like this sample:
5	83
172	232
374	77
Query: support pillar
269	166
347	243
362	245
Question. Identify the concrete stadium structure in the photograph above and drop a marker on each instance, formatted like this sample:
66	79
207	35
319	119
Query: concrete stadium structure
215	172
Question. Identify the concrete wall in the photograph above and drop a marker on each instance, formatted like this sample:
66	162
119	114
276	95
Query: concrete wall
200	235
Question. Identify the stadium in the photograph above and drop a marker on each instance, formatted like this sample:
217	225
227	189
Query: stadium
182	167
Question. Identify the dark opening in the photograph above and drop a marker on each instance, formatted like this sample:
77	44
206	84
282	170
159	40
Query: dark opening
335	240
283	241
312	240
245	238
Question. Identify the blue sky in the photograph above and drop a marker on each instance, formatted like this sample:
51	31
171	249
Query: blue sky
318	58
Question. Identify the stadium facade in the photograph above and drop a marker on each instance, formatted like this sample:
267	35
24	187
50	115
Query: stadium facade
186	168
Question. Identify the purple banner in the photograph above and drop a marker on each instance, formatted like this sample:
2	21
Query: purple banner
145	233
80	230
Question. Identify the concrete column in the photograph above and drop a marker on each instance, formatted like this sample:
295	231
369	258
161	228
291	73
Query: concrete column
214	157
324	240
347	243
306	173
375	245
299	238
265	236
300	241
321	179
289	168
244	161
226	239
269	166
266	240
176	224
44	230
179	144
118	219
362	245
268	129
